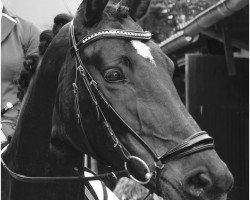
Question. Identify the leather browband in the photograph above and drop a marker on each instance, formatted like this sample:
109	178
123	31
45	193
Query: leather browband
111	33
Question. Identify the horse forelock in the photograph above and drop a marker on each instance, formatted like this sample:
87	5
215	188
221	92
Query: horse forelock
113	17
118	11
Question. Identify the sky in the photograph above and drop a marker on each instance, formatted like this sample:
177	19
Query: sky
41	12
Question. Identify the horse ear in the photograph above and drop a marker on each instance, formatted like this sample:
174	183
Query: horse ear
138	8
90	11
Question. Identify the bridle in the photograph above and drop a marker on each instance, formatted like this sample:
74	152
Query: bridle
199	141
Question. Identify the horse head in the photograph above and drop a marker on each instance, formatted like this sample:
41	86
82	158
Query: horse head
134	93
105	89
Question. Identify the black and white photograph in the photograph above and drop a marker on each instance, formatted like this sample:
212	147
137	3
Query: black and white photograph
124	100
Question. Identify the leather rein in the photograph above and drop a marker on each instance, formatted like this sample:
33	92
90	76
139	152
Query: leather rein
197	142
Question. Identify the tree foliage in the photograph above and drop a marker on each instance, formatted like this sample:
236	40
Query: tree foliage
166	16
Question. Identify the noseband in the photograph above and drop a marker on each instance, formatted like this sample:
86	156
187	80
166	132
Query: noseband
199	141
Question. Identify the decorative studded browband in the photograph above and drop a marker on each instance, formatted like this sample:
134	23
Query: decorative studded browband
111	33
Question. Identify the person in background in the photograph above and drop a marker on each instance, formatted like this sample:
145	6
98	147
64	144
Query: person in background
19	47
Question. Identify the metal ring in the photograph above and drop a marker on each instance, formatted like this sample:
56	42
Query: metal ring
147	176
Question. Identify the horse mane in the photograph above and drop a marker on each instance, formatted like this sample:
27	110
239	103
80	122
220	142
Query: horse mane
31	62
45	39
59	21
118	12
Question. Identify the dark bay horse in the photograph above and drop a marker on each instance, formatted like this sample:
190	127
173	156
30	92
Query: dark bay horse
109	95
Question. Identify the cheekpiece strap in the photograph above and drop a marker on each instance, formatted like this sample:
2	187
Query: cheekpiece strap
112	33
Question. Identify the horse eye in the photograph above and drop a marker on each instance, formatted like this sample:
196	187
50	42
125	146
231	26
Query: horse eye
113	75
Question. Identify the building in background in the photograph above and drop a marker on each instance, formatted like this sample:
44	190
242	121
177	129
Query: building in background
211	55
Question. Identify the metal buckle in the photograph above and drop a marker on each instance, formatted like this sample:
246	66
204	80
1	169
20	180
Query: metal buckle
135	164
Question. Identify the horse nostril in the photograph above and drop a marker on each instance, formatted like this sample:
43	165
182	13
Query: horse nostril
197	183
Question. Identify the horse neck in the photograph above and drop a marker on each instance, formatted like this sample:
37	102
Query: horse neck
29	153
63	155
51	165
30	143
29	148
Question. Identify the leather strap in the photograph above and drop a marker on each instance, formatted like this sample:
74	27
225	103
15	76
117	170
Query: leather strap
195	143
110	33
30	179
